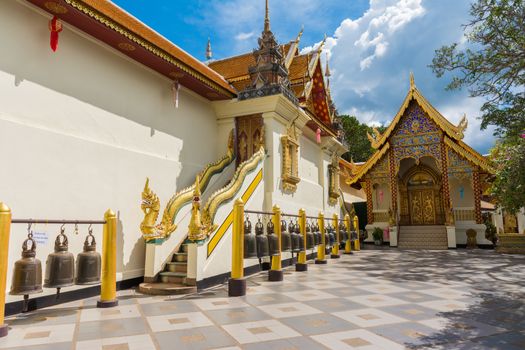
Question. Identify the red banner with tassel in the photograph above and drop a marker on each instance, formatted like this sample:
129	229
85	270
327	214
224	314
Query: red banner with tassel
55	27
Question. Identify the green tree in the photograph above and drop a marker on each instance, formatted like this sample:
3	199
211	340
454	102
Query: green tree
359	148
508	187
491	63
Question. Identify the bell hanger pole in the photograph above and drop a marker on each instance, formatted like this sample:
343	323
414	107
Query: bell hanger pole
5	227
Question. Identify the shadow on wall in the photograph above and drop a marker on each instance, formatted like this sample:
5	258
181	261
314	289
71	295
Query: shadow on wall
129	268
113	84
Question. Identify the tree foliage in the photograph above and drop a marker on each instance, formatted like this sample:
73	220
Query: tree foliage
359	148
491	63
509	186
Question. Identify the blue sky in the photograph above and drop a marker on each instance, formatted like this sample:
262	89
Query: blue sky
372	45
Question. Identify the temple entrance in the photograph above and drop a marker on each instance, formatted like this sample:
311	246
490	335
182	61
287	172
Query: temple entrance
420	192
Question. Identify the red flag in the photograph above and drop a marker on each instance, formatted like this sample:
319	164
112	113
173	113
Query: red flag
55	27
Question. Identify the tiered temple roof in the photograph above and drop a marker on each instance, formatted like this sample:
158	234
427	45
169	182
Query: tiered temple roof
305	75
452	137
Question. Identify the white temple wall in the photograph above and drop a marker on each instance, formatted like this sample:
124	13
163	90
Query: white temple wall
82	128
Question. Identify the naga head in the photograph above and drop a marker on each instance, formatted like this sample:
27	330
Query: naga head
149	198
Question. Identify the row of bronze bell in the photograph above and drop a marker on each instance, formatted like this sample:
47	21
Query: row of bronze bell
60	266
259	245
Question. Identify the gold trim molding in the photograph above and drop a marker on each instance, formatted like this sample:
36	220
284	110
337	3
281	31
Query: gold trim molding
290	160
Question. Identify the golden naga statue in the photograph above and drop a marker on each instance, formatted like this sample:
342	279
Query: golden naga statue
374	140
154	233
151	206
462	126
196	229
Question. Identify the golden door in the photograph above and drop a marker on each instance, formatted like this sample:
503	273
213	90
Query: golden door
249	136
422	207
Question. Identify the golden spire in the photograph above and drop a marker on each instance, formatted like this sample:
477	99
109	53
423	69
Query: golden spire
412	82
267	17
209	54
327	73
300	34
321	45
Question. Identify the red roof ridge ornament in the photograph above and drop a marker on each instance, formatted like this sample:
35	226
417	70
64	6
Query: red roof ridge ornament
55	27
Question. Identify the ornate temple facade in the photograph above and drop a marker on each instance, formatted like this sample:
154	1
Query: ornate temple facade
165	140
423	184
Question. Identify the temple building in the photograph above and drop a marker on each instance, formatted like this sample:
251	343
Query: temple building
423	184
103	112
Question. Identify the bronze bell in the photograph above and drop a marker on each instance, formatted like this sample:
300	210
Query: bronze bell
60	265
261	240
250	250
286	238
88	263
317	235
310	237
296	238
27	274
273	240
331	234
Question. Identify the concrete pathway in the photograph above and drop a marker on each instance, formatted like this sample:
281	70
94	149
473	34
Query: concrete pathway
374	299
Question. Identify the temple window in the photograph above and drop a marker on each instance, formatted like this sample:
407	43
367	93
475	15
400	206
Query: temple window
290	165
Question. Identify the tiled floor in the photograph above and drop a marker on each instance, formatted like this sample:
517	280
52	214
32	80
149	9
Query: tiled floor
374	299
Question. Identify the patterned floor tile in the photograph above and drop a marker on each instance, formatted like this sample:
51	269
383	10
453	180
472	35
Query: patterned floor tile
111	328
38	335
168	307
195	339
220	303
446	293
288	310
383	288
413	312
414	297
445	305
356	339
317	324
324	285
265	299
376	300
368	317
407	333
173	322
252	332
334	305
298	343
309	295
137	342
236	315
120	312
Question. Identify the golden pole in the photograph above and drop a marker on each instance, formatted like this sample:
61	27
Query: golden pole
321	247
276	273
237	283
335	248
108	288
348	245
357	245
238	240
5	227
301	261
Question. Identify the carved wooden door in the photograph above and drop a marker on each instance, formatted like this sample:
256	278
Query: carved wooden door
249	136
422	208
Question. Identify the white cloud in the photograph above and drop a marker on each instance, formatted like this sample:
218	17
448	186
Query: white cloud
244	36
371	58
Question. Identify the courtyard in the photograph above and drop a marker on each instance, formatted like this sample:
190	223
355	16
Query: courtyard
373	299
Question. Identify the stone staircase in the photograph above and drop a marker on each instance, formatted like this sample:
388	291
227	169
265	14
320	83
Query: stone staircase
173	280
423	237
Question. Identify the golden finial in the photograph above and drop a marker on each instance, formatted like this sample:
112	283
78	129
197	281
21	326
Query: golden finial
209	54
327	70
321	45
267	17
412	82
300	34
